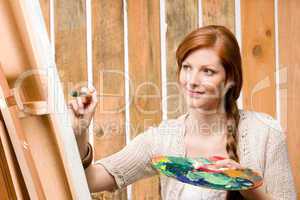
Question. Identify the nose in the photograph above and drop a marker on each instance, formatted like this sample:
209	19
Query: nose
193	79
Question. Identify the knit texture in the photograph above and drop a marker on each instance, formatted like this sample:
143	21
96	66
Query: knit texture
261	147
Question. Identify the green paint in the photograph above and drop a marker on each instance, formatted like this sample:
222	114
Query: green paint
218	179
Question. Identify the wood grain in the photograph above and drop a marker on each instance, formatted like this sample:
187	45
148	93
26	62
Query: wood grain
11	166
12	184
181	18
258	56
109	80
70	43
145	78
219	12
289	59
7	188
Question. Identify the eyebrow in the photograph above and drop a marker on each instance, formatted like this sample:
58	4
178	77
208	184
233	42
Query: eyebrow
186	62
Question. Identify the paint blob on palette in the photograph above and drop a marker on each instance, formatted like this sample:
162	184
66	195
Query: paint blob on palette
202	172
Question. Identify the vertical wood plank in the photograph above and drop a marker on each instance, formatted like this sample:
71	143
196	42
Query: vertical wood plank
108	74
70	43
181	18
289	58
145	78
258	56
45	6
219	12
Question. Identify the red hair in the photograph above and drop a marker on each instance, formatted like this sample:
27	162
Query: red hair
224	43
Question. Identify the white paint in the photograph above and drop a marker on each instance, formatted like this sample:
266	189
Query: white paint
163	57
127	86
200	14
89	48
238	34
277	67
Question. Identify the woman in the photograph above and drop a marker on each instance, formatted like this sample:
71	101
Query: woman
210	77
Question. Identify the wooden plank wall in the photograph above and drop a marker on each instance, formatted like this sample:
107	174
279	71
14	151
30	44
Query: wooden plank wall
219	12
258	41
258	52
108	77
145	78
70	43
181	18
289	60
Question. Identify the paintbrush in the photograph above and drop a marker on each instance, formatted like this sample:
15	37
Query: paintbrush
86	95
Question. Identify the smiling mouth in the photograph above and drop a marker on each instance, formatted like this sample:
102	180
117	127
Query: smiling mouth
194	93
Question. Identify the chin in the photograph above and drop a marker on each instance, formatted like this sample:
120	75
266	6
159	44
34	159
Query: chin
207	107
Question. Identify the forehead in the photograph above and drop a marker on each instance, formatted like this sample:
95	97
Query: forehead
203	57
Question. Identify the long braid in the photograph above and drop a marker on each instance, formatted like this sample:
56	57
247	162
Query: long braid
231	145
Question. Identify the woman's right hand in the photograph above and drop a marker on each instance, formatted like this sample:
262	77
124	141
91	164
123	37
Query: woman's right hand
82	109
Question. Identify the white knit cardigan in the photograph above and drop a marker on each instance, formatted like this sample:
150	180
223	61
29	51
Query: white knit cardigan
261	147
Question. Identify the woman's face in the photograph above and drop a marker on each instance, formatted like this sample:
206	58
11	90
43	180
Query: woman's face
202	78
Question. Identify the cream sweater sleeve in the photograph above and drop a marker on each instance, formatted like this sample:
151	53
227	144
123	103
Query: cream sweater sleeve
133	162
277	176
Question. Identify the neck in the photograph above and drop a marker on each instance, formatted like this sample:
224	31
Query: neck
206	123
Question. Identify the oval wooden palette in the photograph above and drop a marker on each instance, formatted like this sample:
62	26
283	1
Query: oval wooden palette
201	172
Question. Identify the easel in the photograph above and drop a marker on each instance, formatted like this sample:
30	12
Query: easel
36	131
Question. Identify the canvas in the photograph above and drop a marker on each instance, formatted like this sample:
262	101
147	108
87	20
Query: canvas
33	107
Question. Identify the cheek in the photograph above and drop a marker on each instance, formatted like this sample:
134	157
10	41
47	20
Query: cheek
213	86
182	78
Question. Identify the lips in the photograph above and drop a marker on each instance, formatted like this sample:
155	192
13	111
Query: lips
194	93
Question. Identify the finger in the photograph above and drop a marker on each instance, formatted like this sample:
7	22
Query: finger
84	91
94	98
74	107
86	94
73	114
221	165
79	102
70	108
234	166
69	104
94	101
91	89
216	158
224	161
228	163
80	107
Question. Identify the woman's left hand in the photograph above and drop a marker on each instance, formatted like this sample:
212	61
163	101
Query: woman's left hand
254	193
228	163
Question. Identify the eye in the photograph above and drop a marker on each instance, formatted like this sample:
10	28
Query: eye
209	72
186	67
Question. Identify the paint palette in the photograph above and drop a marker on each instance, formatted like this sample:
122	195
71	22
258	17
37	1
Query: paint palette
202	172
